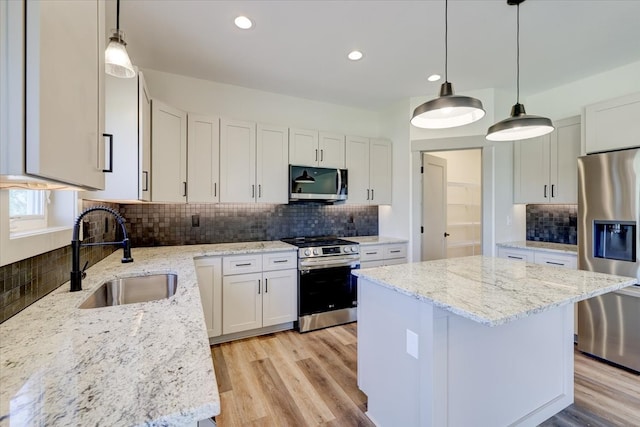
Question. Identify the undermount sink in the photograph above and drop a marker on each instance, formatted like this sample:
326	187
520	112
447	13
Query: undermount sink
130	290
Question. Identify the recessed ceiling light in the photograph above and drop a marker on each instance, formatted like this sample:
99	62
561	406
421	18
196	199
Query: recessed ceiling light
434	77
355	55
243	22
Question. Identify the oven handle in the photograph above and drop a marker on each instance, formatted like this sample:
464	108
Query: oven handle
316	265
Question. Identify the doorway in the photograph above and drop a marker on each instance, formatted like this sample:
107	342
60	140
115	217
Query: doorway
451	204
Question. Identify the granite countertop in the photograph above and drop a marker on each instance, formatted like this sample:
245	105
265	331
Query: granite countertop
134	364
375	240
493	291
542	246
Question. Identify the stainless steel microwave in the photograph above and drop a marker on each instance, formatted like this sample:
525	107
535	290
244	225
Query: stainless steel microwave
317	184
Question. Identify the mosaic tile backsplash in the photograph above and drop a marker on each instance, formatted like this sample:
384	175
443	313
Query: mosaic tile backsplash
553	223
188	224
24	282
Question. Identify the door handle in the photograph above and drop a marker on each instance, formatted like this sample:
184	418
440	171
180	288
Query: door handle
110	169
446	234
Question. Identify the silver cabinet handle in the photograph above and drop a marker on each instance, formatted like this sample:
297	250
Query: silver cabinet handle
184	183
259	191
371	253
322	155
258	286
367	194
266	286
253	191
514	257
545	191
316	154
110	169
215	189
394	252
145	183
554	263
372	194
280	261
553	193
244	264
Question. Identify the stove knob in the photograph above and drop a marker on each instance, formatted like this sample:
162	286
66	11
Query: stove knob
316	251
354	249
345	249
307	252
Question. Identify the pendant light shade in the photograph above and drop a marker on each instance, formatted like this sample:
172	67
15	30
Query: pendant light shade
519	125
116	59
448	110
305	178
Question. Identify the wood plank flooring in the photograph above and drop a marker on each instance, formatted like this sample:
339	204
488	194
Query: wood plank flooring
292	379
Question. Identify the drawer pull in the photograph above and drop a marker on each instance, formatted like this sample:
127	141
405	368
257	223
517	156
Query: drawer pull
514	257
395	252
280	261
554	263
244	264
371	253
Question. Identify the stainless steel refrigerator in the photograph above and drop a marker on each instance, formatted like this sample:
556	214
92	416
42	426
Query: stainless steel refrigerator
608	242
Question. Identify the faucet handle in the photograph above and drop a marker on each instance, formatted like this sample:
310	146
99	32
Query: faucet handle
84	272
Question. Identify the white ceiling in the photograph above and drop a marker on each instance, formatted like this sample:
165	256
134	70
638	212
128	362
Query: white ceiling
299	47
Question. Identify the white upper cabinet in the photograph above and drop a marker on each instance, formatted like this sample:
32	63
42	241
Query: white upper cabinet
203	146
310	148
613	124
169	153
331	148
272	160
368	164
545	168
238	165
55	111
128	121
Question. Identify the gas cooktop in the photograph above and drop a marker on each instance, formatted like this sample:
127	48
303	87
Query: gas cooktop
310	242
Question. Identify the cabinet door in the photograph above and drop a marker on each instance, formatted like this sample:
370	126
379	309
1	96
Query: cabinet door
203	147
357	161
209	272
280	297
169	153
380	152
241	302
64	91
303	147
331	148
613	124
531	170
238	165
565	150
144	138
272	171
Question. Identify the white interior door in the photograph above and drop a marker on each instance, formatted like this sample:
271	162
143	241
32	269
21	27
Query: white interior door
434	207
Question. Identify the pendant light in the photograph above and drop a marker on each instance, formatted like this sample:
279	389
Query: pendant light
447	110
519	125
116	59
305	178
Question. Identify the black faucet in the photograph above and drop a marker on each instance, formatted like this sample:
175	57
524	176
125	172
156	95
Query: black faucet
76	274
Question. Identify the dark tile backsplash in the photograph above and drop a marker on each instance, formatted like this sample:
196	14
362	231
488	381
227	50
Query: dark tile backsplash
24	282
553	223
187	224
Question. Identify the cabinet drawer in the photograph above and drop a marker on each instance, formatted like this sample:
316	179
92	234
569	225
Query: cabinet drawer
371	253
516	254
240	264
395	251
557	260
279	261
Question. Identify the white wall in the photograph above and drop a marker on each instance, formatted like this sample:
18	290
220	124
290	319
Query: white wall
235	102
570	99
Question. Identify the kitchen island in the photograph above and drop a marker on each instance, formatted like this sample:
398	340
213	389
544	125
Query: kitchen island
470	341
128	365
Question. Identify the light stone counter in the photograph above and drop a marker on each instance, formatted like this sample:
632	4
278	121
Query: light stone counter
135	364
375	240
493	291
541	246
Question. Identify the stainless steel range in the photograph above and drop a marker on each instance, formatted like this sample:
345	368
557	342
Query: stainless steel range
327	292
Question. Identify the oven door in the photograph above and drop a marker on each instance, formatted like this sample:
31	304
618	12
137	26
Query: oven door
327	288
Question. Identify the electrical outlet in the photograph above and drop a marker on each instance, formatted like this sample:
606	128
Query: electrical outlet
195	220
412	343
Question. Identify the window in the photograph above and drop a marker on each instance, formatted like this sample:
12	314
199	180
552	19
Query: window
28	210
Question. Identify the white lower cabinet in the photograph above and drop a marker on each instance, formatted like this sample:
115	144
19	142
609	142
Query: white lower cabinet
209	273
383	254
264	294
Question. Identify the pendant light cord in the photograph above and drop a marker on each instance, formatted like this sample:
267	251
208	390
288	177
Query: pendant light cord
446	39
118	16
517	55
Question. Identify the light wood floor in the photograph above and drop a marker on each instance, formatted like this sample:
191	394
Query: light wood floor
292	379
